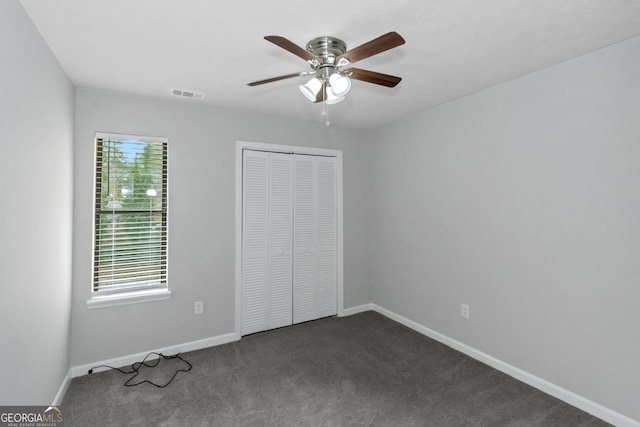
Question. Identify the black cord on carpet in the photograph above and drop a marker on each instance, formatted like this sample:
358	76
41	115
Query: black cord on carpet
135	369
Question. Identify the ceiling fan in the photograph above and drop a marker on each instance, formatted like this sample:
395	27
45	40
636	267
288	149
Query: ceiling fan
331	65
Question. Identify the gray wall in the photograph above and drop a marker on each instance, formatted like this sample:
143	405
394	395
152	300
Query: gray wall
36	133
523	201
201	217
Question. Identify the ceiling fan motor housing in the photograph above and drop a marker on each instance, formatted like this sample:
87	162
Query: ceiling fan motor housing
327	48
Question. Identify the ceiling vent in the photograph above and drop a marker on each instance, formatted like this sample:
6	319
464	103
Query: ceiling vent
187	94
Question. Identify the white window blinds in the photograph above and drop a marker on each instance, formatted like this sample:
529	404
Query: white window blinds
130	242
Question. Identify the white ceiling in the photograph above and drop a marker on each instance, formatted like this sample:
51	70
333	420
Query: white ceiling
453	47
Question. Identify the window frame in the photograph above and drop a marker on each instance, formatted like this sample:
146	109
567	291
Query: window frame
135	294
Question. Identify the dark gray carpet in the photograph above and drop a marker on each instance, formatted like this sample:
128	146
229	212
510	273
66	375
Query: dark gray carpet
363	370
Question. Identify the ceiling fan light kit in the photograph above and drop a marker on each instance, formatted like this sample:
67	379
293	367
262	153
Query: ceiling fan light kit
330	61
331	89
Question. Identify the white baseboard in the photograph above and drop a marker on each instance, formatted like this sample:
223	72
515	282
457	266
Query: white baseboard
77	371
358	309
567	396
62	390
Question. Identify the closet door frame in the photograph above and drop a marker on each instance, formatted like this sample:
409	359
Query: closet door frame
289	149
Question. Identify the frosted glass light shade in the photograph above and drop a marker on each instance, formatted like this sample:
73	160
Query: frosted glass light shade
332	98
340	84
311	89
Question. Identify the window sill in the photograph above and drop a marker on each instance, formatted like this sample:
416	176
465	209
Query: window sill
128	298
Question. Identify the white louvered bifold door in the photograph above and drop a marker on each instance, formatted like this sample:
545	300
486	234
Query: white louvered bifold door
314	262
304	240
255	228
289	214
280	240
267	227
326	243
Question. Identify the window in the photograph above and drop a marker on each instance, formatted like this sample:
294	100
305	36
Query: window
130	237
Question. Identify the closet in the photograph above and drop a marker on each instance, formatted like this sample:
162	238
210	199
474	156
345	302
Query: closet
289	212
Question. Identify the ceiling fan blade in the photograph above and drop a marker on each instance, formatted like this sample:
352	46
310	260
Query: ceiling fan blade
275	79
373	77
292	47
373	47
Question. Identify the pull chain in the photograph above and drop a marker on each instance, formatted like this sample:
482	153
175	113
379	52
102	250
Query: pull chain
325	106
326	123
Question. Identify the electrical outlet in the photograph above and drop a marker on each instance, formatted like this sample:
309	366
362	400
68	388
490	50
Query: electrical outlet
465	311
198	307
